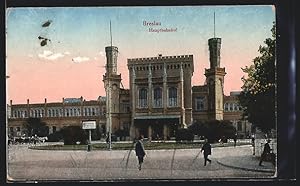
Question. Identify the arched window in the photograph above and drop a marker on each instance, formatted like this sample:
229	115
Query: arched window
89	111
93	112
172	97
25	114
236	107
67	112
226	106
56	113
230	106
157	97
143	98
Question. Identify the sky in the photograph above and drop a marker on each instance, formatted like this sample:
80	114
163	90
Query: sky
72	63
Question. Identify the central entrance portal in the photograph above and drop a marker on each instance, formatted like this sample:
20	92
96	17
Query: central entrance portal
156	128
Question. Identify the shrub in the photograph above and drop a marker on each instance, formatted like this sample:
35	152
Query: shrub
96	134
55	137
213	130
184	135
72	134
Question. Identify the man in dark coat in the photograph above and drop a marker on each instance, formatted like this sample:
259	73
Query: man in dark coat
265	153
234	139
207	151
140	151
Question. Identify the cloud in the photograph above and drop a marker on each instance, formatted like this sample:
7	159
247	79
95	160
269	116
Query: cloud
67	53
49	55
101	54
80	59
30	55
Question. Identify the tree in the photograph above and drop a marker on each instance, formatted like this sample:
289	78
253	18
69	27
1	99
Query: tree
73	134
35	126
258	92
213	130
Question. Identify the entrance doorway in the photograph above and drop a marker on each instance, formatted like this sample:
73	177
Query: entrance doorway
157	127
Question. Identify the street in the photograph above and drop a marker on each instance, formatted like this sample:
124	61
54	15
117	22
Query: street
25	164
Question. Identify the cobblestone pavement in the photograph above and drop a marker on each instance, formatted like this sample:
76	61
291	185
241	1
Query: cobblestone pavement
227	162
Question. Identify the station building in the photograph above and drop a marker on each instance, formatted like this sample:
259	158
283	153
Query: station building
160	99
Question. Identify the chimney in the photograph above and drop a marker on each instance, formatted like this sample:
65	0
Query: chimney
10	102
27	101
45	100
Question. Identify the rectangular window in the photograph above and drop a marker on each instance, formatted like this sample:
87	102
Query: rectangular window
199	103
172	97
157	102
143	98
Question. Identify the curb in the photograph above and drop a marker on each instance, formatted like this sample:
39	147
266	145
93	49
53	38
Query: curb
247	169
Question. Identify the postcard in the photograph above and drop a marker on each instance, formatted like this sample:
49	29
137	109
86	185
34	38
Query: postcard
141	93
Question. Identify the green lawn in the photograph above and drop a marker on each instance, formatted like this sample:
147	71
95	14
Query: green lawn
128	146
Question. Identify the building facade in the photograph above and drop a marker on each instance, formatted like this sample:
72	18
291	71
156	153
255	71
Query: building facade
71	111
160	99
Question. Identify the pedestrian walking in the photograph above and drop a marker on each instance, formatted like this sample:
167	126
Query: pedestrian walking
234	139
35	139
253	143
207	151
266	152
140	151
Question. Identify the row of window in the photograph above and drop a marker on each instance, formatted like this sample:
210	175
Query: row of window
159	67
157	97
59	112
142	103
230	107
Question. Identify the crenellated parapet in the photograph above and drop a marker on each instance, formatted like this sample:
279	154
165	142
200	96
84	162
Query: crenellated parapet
159	59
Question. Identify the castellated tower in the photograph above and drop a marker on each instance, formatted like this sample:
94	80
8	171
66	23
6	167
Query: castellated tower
215	80
112	87
111	59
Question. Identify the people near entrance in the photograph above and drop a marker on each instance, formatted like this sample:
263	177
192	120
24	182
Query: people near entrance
253	143
234	139
252	139
107	139
140	151
266	152
35	138
206	148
